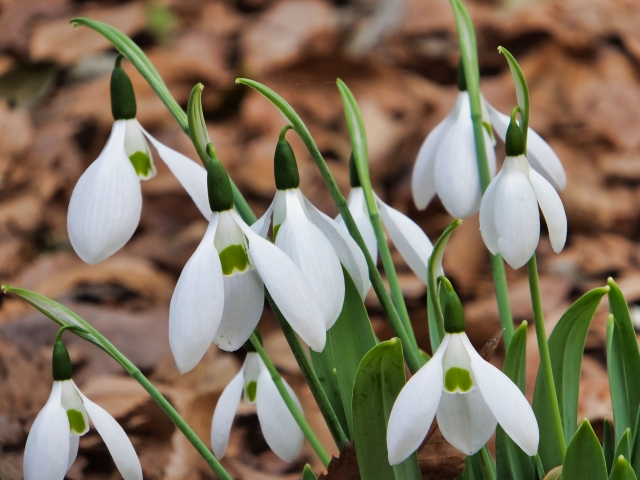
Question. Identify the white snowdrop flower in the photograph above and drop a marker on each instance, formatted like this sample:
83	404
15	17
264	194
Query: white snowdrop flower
106	203
446	164
466	394
219	296
509	216
314	241
279	428
52	445
410	240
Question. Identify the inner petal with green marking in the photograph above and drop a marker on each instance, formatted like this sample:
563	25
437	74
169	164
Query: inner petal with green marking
458	380
234	260
251	391
142	164
77	424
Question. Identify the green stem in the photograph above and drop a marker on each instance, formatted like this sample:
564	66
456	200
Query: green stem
487	464
543	348
293	408
502	295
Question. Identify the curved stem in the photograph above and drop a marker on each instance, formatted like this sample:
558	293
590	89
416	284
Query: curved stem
293	408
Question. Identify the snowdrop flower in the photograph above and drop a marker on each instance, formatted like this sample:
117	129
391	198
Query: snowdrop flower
446	164
509	217
52	445
219	296
410	240
314	241
280	430
467	394
106	203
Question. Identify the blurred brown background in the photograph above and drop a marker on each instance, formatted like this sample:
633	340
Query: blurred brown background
582	61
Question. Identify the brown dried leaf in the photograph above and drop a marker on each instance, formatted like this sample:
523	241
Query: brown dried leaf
490	347
554	474
344	467
438	459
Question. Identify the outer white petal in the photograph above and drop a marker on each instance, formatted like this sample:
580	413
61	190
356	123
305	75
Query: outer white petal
243	305
346	248
456	170
516	216
423	184
105	205
74	443
410	240
414	409
465	420
487	216
197	303
261	226
314	255
47	451
288	288
506	401
118	443
280	430
360	214
191	175
552	208
540	155
224	413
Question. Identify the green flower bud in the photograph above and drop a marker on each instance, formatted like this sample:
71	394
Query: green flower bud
123	99
218	183
452	309
514	139
462	81
61	362
354	178
285	167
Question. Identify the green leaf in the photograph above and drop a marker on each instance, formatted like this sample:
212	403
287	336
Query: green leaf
522	90
197	126
436	321
608	445
629	355
624	445
468	45
351	337
617	380
622	470
379	379
511	462
584	459
307	473
136	56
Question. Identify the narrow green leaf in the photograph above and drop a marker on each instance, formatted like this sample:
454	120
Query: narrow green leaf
622	470
511	462
624	445
608	445
307	473
584	459
351	337
434	271
629	353
379	379
617	381
635	446
522	90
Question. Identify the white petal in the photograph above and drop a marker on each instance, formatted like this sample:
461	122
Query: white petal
261	226
516	217
360	214
105	205
456	171
191	175
74	443
552	209
243	305
224	413
280	429
134	142
118	443
288	288
465	420
540	155
345	247
487	216
314	255
46	453
197	303
506	401
423	179
410	240
414	409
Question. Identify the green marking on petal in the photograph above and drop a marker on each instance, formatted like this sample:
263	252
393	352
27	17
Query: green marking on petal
232	258
276	229
251	391
457	379
141	163
76	422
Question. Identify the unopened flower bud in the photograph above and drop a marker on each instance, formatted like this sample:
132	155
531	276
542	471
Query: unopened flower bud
285	167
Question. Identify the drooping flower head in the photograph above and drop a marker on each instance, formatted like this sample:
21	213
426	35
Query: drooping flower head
52	444
105	206
219	296
509	217
466	394
279	428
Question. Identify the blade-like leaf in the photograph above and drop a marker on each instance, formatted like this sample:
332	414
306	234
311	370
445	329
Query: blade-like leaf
307	473
522	90
617	381
608	445
379	379
622	470
584	459
511	461
624	445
